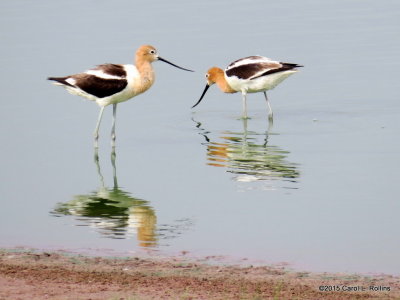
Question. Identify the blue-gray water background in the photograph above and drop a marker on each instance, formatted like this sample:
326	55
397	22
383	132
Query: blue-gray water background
319	190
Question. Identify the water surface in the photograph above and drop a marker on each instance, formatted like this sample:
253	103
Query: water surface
317	190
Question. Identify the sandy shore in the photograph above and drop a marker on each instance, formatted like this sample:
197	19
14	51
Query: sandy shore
44	275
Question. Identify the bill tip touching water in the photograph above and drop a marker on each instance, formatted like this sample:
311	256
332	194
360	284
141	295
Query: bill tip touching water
251	74
114	83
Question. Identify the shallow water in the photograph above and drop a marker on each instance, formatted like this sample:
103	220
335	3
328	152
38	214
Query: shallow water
318	189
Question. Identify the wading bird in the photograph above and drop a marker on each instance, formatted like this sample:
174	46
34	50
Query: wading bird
114	83
251	74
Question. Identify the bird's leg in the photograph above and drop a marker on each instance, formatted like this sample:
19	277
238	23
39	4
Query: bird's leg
244	106
269	129
113	125
96	131
113	157
270	113
96	161
244	141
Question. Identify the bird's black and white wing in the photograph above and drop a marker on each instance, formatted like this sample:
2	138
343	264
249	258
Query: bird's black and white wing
253	67
100	82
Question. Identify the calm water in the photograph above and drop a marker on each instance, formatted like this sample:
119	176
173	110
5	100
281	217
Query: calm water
318	189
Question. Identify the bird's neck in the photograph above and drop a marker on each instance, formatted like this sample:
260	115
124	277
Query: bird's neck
145	69
223	84
147	76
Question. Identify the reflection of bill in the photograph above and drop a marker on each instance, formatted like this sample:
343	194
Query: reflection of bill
113	212
248	157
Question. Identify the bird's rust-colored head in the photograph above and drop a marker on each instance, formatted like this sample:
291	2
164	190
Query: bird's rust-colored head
146	53
215	75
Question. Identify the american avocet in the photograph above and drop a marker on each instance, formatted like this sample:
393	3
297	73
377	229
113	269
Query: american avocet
113	83
251	74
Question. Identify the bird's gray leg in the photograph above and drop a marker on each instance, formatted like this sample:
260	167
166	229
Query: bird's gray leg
113	136
113	157
96	131
270	113
96	161
244	105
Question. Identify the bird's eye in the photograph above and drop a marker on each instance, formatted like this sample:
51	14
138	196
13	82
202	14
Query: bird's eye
152	51
207	75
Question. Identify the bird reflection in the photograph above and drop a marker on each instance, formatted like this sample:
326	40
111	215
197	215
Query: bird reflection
248	156
112	211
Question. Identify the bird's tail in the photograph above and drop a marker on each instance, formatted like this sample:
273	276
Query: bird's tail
60	80
290	66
